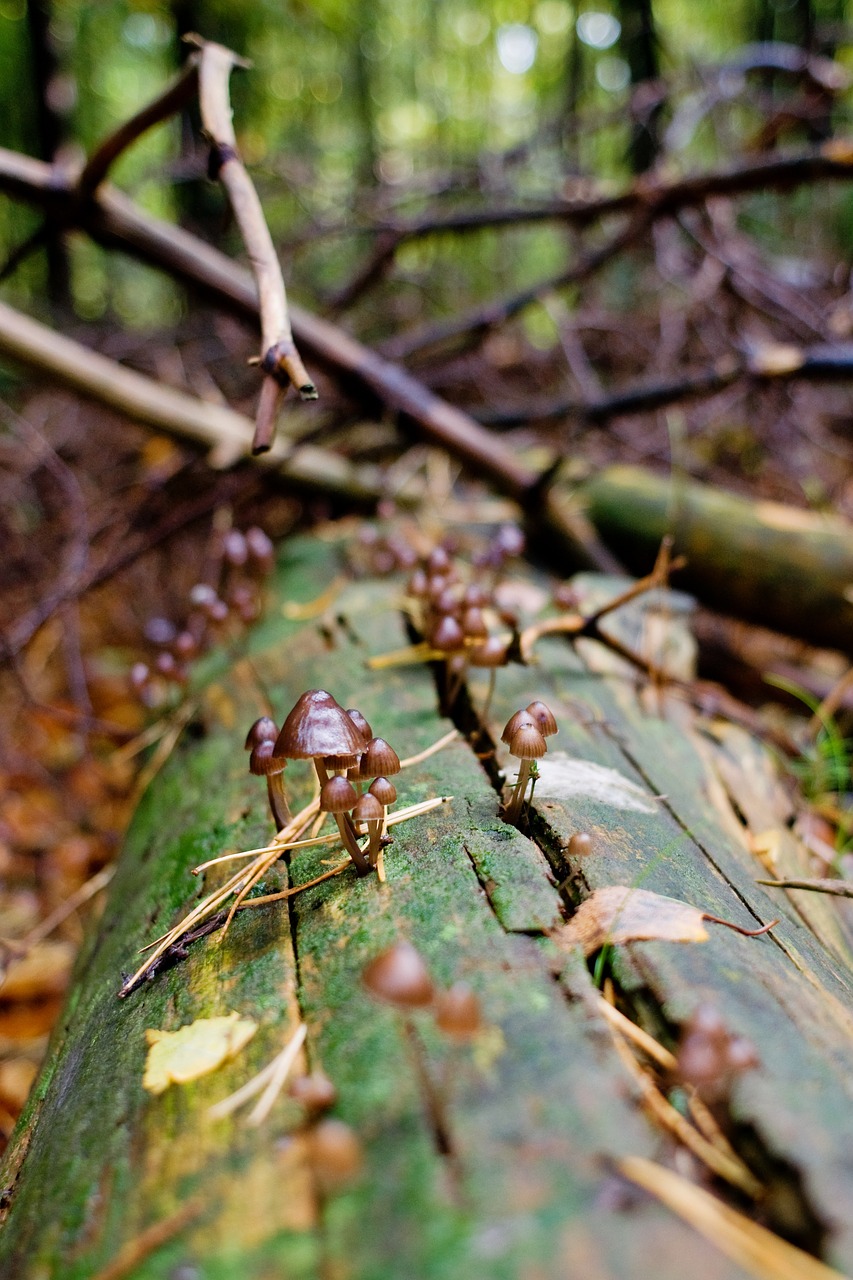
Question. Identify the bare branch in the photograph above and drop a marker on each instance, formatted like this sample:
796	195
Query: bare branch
280	359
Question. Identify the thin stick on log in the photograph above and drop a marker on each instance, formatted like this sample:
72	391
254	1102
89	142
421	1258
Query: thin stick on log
279	359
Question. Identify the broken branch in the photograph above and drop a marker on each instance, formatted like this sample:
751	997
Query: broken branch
279	359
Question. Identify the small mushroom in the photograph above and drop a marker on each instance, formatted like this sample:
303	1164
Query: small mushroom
264	762
335	1153
527	744
544	717
399	977
315	1092
580	845
457	1012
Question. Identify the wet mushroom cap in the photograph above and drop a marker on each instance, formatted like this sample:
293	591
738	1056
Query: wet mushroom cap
457	1011
360	723
318	726
400	977
379	760
263	730
335	1152
264	763
474	624
580	845
520	720
368	809
383	790
491	653
447	634
528	744
338	795
544	717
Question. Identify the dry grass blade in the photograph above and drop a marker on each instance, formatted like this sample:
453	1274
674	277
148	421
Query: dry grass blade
838	888
283	1065
757	1250
726	1164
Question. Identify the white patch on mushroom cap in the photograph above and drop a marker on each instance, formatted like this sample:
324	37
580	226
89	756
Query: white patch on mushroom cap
562	776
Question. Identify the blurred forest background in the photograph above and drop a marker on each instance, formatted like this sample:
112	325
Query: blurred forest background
415	163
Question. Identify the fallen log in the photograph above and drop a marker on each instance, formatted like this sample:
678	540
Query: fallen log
105	1178
779	566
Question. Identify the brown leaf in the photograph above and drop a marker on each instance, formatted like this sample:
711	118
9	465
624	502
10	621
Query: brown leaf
619	914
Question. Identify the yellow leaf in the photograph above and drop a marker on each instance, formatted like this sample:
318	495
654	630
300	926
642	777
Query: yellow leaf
618	914
174	1057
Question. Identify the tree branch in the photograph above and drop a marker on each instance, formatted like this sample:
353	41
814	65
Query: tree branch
279	359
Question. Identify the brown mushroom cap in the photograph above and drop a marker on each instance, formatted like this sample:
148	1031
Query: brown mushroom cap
457	1011
400	977
475	597
263	730
384	791
438	561
338	795
580	845
520	720
418	584
474	624
528	743
544	717
316	1092
335	1152
367	809
318	726
491	653
360	723
447	634
379	760
264	763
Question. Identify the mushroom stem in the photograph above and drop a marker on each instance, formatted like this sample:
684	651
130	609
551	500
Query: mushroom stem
279	807
345	827
433	1098
487	705
516	800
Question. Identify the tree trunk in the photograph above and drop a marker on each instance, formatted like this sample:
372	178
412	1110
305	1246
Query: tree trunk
103	1179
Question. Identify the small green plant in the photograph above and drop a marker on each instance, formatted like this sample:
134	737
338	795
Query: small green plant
823	768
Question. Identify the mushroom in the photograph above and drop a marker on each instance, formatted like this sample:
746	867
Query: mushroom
267	763
369	811
526	743
319	729
399	977
457	1012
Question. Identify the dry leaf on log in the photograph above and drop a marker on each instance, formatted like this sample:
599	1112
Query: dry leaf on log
174	1057
619	914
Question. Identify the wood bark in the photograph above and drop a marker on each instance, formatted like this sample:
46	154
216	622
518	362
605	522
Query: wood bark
541	1109
779	566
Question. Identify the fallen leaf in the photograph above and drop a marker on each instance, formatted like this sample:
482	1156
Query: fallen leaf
618	914
175	1057
41	973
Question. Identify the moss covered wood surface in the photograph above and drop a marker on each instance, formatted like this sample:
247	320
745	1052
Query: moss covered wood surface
538	1109
781	567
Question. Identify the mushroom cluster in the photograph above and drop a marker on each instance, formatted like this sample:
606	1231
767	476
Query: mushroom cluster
346	755
242	562
525	733
453	614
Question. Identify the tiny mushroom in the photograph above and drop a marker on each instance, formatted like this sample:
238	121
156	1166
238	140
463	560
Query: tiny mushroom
527	743
457	1012
399	977
265	763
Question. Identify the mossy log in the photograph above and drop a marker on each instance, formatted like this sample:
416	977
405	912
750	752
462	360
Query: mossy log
102	1179
779	566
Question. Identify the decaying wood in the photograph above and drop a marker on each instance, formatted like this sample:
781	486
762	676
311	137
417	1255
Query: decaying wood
537	1106
779	566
